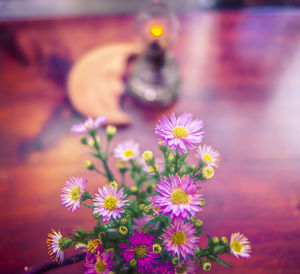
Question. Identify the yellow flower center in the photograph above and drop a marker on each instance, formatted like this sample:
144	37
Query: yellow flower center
178	196
75	194
181	269
100	266
88	124
110	202
236	246
179	237
180	132
141	251
128	153
207	158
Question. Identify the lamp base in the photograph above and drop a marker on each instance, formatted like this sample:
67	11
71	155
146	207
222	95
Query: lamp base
151	85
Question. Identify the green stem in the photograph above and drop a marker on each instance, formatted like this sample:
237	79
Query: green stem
89	206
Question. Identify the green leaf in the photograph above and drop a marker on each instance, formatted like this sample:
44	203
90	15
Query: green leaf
220	261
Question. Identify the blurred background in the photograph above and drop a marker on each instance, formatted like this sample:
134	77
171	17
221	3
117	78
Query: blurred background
40	8
239	63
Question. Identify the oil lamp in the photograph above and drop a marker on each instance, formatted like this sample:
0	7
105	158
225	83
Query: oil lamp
153	77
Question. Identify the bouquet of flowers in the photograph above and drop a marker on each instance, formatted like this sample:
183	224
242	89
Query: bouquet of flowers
152	226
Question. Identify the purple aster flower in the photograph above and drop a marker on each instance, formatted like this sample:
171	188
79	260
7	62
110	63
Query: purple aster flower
54	246
178	197
208	155
240	245
109	202
99	263
88	124
187	267
140	248
180	134
72	193
179	239
164	268
128	150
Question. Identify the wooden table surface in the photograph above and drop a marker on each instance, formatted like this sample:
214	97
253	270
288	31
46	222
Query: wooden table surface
240	74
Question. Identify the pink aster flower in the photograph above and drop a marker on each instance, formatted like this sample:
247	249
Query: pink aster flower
180	134
100	263
178	197
187	267
179	239
128	150
88	124
72	193
164	268
208	155
140	248
109	202
239	245
54	246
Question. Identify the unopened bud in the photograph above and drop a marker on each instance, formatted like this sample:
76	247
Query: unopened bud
148	156
110	132
146	209
206	266
224	240
156	248
83	140
208	172
134	189
215	240
132	262
198	223
123	230
175	261
202	202
114	184
89	165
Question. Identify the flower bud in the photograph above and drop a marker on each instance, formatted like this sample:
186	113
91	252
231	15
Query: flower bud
208	172
202	202
156	248
91	142
206	266
89	165
114	184
124	221
224	240
96	215
215	240
134	189
83	140
198	223
122	165
110	132
132	262
148	156
163	148
123	230
141	206
175	261
146	209
171	157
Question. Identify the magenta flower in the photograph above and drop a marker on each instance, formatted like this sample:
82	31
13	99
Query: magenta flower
177	197
164	268
109	202
88	124
187	266
140	248
180	134
179	239
72	193
100	263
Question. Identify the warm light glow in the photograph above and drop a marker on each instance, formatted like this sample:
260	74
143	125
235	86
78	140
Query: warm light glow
157	31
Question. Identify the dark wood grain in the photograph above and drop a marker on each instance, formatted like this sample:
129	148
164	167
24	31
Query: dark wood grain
240	74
